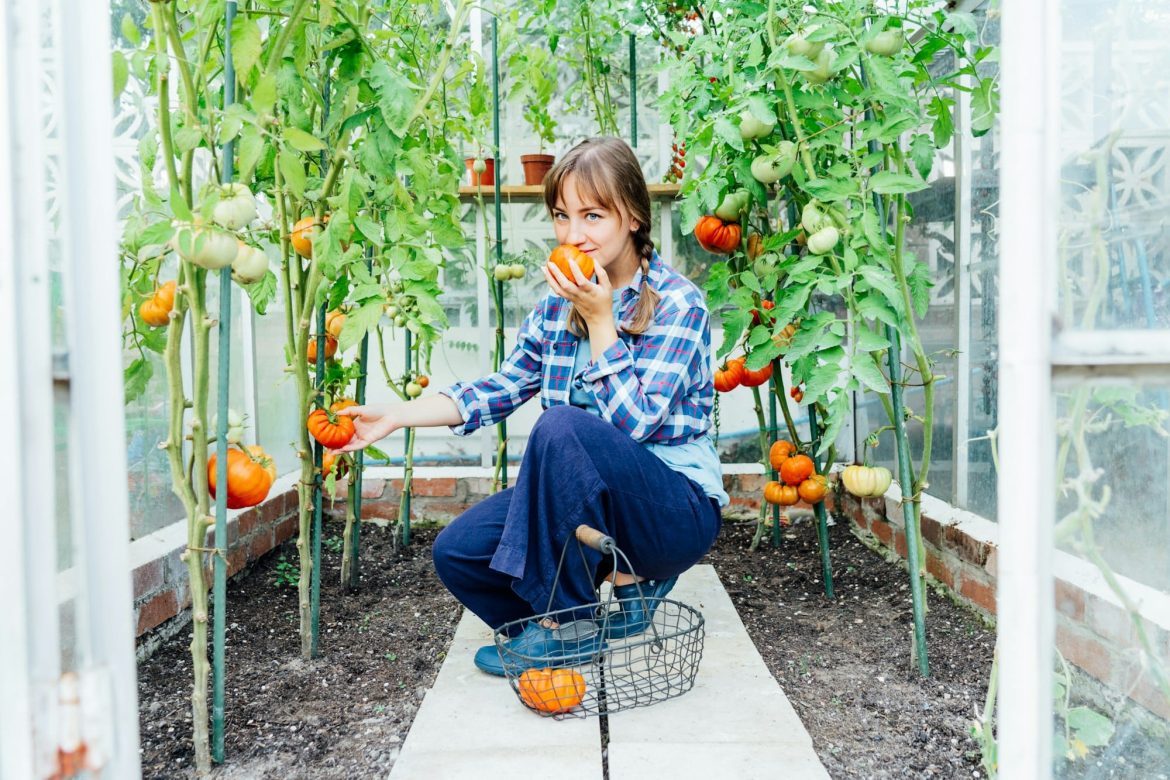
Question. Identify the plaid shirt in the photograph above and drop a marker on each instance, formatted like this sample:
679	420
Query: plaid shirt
657	387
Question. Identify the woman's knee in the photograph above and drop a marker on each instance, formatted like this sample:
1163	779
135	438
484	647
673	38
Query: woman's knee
554	422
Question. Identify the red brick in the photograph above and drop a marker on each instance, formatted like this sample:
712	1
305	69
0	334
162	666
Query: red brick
161	607
259	544
859	519
729	482
439	486
268	513
882	530
382	510
742	501
1070	600
964	546
980	593
1149	695
932	531
373	488
900	543
148	578
237	558
1110	621
286	529
752	483
440	510
937	566
1085	651
249	519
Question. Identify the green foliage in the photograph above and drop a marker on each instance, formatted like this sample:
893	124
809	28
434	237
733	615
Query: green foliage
286	574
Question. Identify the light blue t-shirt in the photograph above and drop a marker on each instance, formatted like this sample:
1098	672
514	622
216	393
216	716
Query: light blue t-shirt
696	459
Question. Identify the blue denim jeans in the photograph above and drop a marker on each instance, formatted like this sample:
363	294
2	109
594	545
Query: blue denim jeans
499	558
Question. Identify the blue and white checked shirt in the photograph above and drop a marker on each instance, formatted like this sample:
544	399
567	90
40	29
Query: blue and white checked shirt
657	386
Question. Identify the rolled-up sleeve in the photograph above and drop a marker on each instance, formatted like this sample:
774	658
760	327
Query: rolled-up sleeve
490	399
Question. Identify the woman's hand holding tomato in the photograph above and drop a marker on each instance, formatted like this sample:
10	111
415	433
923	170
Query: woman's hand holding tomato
370	424
594	300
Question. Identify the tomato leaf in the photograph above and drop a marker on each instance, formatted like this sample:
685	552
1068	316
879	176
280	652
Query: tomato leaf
868	373
130	30
922	153
135	378
262	292
838	412
293	172
245	43
830	190
121	73
984	107
920	283
251	147
944	123
881	280
867	340
264	95
395	96
302	141
179	206
373	453
359	322
729	133
890	183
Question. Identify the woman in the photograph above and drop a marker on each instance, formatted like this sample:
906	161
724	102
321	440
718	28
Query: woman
623	367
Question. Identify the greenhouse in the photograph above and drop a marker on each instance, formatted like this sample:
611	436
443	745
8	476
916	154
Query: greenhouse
753	389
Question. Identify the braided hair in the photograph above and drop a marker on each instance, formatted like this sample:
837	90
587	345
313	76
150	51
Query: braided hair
608	173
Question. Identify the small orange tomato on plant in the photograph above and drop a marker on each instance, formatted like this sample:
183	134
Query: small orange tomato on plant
754	378
423	380
250	474
813	489
779	493
334	322
717	236
330	348
302	235
332	430
729	376
781	451
796	469
156	310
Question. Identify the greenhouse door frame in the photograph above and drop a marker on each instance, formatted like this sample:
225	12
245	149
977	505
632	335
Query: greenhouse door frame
67	671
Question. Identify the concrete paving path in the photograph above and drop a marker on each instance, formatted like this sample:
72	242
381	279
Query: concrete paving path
735	723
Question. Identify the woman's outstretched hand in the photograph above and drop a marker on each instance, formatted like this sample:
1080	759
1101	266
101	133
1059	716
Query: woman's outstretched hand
370	423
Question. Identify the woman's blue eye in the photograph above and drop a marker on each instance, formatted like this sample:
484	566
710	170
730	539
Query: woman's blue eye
592	216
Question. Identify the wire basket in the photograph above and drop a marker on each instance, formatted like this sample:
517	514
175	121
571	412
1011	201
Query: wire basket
586	673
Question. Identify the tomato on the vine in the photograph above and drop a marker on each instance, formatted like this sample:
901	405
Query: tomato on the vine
796	469
250	474
717	236
332	430
156	310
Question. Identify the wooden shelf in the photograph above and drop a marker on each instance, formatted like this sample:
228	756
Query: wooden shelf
536	191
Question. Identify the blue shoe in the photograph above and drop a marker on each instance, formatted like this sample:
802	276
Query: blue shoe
631	617
573	644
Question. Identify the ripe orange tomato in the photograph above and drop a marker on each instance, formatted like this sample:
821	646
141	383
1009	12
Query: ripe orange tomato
779	493
796	469
551	690
311	350
729	376
781	451
334	322
754	378
814	488
423	380
302	235
717	236
156	310
562	254
250	474
332	430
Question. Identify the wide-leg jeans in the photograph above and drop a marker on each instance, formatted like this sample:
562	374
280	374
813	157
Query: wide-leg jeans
499	558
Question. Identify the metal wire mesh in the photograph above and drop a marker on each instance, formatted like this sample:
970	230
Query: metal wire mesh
577	671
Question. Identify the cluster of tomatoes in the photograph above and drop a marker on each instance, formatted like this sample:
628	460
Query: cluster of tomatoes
797	478
678	162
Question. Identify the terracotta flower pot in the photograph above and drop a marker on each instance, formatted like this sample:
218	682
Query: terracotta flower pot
487	178
536	166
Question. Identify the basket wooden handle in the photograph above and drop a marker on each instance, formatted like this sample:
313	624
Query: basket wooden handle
591	537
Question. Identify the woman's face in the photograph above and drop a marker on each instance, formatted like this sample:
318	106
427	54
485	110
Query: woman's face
603	234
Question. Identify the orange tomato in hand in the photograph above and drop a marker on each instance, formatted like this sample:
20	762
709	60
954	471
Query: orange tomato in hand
332	430
560	258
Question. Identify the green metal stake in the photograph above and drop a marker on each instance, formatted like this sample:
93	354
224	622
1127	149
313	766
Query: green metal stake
360	456
219	582
318	450
406	484
633	92
499	230
773	428
814	432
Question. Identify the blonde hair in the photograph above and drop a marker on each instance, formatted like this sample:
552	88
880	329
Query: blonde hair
608	174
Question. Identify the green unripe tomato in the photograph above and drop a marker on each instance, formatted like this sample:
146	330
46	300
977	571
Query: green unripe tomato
733	205
479	165
887	43
517	270
812	218
771	168
502	273
391	311
801	46
413	389
750	127
822	72
396	287
823	241
399	321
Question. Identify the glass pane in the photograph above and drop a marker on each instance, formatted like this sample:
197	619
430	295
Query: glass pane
1113	243
1112	568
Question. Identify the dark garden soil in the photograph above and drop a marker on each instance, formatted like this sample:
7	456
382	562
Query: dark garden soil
844	664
